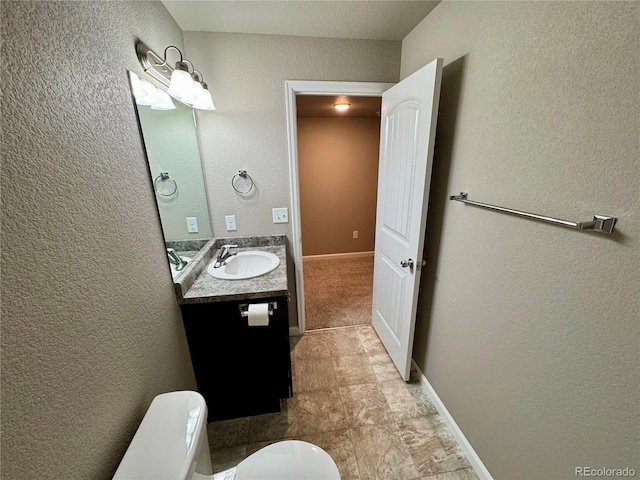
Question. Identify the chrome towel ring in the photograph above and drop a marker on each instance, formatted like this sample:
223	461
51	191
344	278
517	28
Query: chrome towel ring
165	176
245	175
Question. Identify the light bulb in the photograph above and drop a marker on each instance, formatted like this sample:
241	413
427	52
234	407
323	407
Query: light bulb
136	87
164	102
181	86
341	106
204	101
197	88
150	94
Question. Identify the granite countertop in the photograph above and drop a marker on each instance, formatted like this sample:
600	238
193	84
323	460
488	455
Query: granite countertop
206	288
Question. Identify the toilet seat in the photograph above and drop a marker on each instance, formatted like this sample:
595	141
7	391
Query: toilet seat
288	460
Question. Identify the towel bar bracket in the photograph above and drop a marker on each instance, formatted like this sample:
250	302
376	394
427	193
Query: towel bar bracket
604	224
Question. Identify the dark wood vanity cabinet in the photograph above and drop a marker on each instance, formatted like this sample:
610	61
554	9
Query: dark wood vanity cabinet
240	370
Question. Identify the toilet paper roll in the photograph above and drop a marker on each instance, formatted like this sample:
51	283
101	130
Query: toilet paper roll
258	314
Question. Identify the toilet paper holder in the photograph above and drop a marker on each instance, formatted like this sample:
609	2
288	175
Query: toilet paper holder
244	309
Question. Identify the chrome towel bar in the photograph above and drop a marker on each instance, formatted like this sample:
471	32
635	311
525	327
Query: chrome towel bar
600	223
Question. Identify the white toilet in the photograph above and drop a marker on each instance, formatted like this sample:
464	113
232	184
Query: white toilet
171	443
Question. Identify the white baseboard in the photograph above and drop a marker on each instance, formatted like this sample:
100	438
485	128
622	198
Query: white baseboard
466	447
294	331
334	256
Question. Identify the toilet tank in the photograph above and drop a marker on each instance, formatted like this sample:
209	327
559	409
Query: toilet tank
168	442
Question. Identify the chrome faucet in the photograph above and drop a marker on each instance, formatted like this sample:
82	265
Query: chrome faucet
176	259
224	253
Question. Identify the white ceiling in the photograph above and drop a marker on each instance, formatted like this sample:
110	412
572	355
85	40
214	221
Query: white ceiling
374	20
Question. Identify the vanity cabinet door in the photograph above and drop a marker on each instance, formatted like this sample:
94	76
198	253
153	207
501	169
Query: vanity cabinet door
240	370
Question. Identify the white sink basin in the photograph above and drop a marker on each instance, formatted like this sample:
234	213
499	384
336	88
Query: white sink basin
245	265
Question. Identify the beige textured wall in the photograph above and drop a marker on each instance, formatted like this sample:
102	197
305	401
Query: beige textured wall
246	75
529	332
338	162
171	142
90	328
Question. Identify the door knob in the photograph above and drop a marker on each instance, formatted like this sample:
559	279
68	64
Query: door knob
407	263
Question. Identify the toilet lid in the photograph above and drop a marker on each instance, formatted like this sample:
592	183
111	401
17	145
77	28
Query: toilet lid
289	460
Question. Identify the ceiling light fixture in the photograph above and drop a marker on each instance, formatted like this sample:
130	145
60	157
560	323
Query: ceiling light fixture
342	106
184	82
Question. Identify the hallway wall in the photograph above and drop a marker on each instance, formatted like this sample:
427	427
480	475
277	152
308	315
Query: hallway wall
529	332
338	171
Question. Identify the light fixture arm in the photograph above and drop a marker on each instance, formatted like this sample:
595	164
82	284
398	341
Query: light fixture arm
164	60
157	66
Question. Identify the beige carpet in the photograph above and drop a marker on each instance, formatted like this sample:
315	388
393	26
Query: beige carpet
337	293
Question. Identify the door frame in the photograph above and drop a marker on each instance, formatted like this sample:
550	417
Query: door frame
313	87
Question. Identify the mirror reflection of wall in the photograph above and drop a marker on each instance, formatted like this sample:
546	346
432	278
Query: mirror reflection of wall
173	155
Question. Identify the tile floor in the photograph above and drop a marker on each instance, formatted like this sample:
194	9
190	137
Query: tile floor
350	400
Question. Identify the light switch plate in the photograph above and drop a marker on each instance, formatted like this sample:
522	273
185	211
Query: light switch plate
280	215
355	234
192	225
230	221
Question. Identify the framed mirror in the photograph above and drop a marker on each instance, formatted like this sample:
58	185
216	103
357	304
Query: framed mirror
171	142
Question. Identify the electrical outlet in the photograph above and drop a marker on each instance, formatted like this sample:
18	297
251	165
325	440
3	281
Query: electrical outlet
192	225
230	221
355	234
280	215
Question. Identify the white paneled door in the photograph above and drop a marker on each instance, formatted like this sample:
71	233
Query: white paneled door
407	134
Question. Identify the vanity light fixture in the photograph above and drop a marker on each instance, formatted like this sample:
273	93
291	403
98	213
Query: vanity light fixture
181	85
203	99
143	91
147	94
197	86
184	82
164	102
